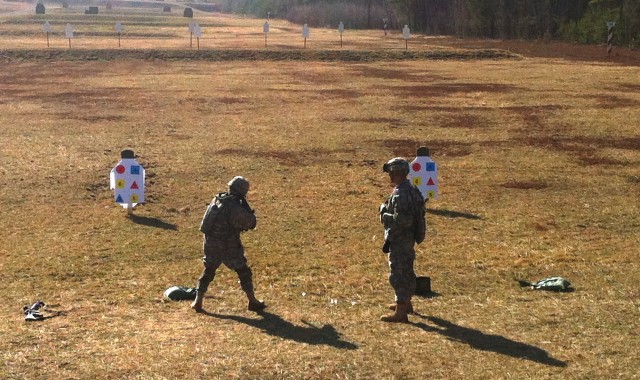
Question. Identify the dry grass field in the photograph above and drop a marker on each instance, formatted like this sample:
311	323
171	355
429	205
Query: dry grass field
539	169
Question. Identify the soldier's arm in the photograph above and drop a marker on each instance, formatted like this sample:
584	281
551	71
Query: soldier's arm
402	218
242	218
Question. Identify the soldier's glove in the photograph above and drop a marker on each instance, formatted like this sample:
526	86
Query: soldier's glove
246	206
387	219
386	246
382	210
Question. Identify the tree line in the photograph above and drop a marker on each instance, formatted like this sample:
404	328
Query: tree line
583	21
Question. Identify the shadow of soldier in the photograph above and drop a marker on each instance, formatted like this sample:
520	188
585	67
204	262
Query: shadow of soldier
276	326
485	342
453	214
152	222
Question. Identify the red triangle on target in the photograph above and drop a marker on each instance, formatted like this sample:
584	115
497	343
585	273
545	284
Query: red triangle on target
134	185
430	182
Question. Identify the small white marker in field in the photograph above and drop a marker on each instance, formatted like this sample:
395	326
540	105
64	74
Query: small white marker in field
197	31
119	30
265	30
192	25
406	34
305	34
47	29
68	33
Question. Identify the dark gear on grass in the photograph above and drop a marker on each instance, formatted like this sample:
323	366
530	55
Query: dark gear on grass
222	244
398	217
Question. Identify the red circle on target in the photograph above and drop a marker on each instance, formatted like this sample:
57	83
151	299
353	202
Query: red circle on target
120	169
416	166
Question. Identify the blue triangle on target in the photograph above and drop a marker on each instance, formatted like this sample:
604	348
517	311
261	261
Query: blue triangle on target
119	199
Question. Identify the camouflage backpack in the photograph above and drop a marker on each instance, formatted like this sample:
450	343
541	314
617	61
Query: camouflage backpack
214	209
554	284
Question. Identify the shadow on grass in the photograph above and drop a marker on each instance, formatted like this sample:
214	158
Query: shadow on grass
453	214
152	222
485	342
276	326
428	295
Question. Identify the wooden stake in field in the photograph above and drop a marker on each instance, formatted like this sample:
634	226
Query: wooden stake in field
265	30
127	181
406	34
305	34
47	29
68	32
341	30
610	26
119	30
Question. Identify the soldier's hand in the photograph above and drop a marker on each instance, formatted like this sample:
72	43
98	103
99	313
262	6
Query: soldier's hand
387	219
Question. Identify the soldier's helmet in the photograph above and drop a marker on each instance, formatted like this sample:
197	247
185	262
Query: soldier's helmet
239	185
396	164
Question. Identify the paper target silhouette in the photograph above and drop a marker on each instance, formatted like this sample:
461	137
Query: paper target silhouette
127	181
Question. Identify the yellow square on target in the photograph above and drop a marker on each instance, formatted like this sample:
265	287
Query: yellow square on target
120	183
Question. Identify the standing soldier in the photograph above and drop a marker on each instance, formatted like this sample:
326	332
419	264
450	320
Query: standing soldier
399	216
227	216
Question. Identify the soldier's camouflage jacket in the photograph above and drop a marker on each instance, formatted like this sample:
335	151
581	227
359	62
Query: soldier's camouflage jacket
236	216
397	213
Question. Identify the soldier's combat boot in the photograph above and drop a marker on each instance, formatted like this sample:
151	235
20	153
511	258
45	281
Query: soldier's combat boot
399	314
197	303
392	306
254	303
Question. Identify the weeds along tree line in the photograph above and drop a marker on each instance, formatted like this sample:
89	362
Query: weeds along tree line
583	21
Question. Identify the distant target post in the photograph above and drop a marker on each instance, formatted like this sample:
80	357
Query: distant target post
406	34
47	29
197	31
305	34
341	30
610	26
119	31
265	30
192	25
68	33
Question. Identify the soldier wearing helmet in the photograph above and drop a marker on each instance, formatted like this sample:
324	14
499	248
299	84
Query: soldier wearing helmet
227	216
397	216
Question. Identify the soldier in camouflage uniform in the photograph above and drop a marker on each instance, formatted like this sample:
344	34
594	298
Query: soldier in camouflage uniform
397	216
222	244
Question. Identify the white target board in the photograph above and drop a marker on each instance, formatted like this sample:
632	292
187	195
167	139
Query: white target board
127	181
423	173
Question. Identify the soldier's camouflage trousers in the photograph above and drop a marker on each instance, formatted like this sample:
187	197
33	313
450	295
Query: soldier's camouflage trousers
402	276
231	254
